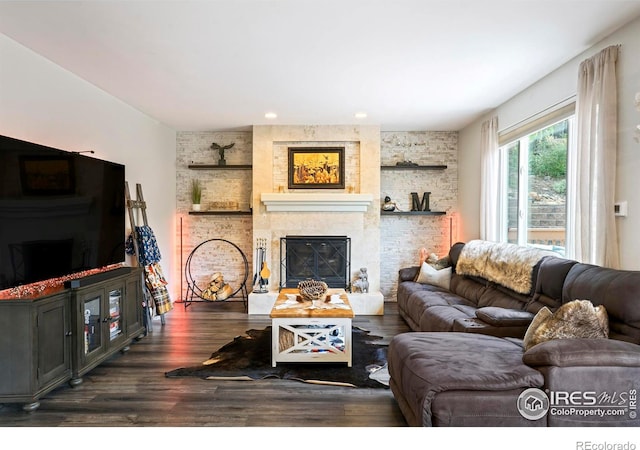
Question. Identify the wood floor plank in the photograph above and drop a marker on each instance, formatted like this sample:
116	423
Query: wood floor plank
130	389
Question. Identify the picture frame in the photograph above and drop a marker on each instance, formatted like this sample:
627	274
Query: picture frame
316	168
46	175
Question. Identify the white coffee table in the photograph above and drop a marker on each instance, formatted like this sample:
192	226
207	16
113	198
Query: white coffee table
308	332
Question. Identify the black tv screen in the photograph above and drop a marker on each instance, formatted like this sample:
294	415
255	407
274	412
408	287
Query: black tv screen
61	212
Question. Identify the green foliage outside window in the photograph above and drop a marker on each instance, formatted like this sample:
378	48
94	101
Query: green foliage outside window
548	151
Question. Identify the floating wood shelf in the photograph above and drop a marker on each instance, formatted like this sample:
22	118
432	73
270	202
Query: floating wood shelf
412	213
426	167
215	166
220	213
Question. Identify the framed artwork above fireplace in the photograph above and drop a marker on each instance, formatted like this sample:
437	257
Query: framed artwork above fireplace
316	168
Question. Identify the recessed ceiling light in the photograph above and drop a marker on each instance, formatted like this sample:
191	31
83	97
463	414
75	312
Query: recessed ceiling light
270	115
360	115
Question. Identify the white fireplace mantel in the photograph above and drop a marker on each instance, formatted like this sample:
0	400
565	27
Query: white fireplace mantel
314	201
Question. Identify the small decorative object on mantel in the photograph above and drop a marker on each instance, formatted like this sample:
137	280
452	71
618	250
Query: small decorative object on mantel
196	194
388	205
221	149
406	164
417	205
311	290
362	283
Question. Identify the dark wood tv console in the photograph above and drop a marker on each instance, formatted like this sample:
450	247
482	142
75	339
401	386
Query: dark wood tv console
56	338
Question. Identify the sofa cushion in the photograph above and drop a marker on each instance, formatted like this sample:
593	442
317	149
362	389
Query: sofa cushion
408	288
414	299
576	319
502	317
475	325
454	254
549	282
442	318
422	365
411	292
437	277
467	287
617	290
501	297
480	409
583	352
408	273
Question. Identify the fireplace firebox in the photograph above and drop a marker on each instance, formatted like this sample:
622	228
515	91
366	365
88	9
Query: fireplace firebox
325	258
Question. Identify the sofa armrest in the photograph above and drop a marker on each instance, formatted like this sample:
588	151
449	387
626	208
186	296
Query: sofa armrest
408	273
503	317
583	352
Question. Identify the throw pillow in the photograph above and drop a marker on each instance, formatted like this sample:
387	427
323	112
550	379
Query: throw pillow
538	320
576	319
429	275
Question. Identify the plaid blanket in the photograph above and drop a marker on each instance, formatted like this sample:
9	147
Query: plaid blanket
157	285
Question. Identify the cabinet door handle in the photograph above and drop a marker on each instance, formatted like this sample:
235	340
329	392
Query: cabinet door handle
106	319
68	333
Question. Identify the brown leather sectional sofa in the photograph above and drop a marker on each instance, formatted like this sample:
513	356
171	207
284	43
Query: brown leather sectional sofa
464	363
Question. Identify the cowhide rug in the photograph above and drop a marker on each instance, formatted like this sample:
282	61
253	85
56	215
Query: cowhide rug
249	358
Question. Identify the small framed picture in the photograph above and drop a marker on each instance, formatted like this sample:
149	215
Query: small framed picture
316	168
47	175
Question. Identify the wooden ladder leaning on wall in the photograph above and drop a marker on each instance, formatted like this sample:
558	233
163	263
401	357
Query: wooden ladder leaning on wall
134	207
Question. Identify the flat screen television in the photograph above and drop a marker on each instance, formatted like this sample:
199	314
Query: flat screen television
61	212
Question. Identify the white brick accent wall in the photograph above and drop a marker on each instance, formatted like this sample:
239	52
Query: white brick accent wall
218	186
384	244
403	236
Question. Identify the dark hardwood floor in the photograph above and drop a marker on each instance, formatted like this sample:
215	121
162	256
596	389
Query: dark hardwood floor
130	389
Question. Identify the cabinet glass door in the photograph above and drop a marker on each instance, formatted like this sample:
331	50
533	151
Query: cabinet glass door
92	325
115	317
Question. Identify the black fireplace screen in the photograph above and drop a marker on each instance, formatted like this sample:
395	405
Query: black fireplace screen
325	258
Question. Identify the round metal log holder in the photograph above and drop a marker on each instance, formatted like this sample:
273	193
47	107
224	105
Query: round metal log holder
203	262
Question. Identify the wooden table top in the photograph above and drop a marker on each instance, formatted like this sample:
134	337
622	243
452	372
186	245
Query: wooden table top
286	305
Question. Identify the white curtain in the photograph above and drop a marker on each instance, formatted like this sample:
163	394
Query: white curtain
490	181
595	239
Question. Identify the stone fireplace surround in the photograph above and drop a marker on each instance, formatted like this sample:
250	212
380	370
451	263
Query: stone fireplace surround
355	214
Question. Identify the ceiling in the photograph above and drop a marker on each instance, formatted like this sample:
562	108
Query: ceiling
222	64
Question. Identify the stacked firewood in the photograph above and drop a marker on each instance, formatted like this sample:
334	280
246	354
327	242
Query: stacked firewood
218	289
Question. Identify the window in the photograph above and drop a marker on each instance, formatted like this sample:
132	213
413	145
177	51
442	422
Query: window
534	188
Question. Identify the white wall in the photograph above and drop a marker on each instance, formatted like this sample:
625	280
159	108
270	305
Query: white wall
550	90
43	103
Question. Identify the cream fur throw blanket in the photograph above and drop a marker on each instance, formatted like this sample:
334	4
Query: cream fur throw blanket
509	265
